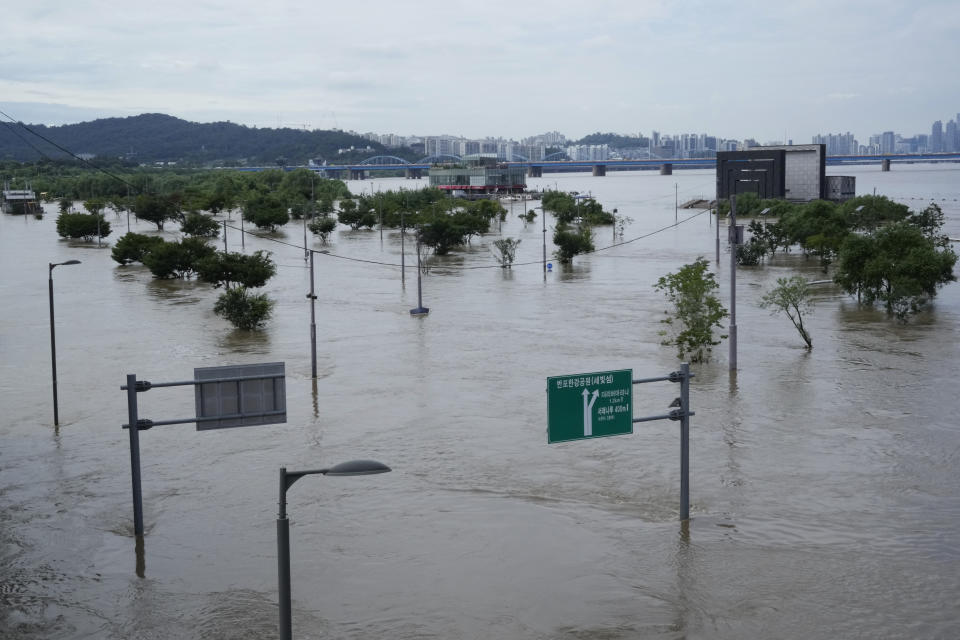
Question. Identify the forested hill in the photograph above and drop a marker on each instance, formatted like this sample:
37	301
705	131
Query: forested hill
154	137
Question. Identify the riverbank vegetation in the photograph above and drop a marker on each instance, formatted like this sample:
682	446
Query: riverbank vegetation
874	248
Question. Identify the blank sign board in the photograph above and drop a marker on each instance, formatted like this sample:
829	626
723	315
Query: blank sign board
240	395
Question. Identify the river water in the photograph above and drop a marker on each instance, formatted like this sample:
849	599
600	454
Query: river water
825	498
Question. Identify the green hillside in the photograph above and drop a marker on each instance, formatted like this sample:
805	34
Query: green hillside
155	137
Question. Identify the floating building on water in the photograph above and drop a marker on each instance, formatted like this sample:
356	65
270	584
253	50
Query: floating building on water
478	176
20	201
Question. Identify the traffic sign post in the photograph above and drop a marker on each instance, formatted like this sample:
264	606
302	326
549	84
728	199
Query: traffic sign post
595	405
230	396
589	405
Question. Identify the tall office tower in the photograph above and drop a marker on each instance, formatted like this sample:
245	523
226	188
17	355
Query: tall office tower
888	142
950	140
936	137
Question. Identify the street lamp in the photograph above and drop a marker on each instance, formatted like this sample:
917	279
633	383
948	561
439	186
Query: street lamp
287	478
53	340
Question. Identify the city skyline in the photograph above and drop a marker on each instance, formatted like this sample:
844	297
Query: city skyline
737	70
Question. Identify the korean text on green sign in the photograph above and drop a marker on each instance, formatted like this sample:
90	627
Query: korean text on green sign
589	405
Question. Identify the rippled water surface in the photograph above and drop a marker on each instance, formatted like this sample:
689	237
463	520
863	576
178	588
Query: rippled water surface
825	497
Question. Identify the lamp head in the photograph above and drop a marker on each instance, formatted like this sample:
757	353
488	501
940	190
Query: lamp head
357	468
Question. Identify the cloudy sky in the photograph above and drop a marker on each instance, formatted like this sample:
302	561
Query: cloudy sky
489	67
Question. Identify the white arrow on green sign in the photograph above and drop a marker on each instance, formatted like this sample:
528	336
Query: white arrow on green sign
589	405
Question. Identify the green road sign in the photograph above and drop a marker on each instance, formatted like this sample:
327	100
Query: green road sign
589	405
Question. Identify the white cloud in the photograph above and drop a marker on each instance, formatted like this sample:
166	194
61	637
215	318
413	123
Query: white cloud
500	68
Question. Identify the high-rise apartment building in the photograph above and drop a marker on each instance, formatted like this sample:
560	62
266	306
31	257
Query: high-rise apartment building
951	143
888	142
936	137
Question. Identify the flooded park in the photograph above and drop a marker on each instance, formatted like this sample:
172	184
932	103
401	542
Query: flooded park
824	493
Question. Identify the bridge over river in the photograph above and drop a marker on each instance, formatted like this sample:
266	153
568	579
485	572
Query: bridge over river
536	168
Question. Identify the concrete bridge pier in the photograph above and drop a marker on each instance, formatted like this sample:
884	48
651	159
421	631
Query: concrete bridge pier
534	172
599	170
357	174
885	164
666	169
414	173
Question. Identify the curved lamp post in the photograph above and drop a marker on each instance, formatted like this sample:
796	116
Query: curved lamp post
53	339
287	478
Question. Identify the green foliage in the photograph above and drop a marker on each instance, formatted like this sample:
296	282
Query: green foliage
506	251
323	226
819	227
930	222
591	212
357	213
266	211
529	216
65	204
750	205
873	212
571	242
561	204
792	297
242	309
82	225
391	206
200	225
488	209
177	259
156	208
132	247
695	312
615	140
756	246
94	205
569	209
898	265
223	269
349	213
443	231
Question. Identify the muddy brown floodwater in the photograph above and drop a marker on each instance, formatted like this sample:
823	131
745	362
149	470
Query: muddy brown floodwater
825	497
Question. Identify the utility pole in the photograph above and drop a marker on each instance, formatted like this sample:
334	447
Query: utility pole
313	324
543	222
733	282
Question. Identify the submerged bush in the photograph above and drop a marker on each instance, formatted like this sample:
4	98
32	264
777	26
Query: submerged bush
242	309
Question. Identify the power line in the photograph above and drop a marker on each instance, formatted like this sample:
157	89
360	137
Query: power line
456	268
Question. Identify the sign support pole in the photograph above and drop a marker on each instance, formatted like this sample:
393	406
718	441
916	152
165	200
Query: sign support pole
313	324
134	453
685	442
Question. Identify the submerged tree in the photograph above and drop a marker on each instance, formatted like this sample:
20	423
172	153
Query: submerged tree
157	209
506	251
571	242
223	269
792	297
244	310
695	312
82	225
323	226
900	265
132	247
265	211
169	260
200	226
